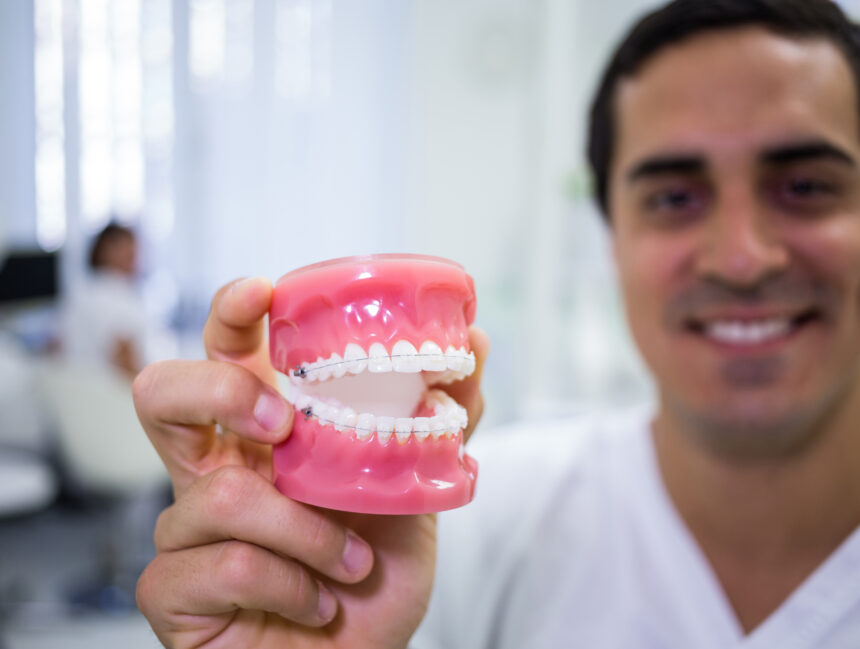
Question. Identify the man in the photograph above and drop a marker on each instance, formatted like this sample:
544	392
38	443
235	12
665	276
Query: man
725	143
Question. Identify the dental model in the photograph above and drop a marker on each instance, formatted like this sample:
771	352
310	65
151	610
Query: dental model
364	340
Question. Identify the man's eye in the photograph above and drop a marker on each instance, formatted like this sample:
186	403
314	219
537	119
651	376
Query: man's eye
806	194
674	206
671	199
807	188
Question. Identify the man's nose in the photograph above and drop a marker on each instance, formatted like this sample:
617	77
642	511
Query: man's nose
741	246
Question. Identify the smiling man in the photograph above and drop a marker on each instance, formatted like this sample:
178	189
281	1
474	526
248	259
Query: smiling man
725	142
734	196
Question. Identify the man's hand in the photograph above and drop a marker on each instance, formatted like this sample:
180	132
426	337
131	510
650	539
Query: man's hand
239	564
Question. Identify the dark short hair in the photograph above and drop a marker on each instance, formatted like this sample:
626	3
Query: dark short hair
111	233
682	19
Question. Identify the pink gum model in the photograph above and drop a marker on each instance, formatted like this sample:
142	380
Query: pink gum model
360	339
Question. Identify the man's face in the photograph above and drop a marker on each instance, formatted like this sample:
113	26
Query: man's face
735	202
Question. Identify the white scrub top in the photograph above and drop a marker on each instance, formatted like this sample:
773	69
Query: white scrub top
572	541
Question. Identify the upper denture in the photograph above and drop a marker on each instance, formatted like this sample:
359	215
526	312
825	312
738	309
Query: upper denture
402	357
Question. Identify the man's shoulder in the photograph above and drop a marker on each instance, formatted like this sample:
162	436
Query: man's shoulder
544	492
545	447
524	466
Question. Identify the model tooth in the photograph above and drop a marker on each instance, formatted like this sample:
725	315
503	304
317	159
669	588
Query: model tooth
421	428
437	426
470	363
302	401
345	419
322	371
365	424
457	364
384	428
452	421
432	358
404	357
309	371
338	368
402	429
325	412
356	358
379	360
434	395
445	400
452	358
447	377
464	418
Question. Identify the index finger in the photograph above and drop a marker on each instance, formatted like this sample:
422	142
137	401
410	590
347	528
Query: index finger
236	328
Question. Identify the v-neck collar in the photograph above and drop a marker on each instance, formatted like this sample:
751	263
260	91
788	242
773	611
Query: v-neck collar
800	622
811	610
712	604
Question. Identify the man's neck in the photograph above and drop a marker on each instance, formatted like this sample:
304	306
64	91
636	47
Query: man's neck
765	525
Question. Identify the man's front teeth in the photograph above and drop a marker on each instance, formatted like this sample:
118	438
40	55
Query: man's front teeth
736	332
453	363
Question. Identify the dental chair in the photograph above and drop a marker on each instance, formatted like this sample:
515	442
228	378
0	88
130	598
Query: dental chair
105	455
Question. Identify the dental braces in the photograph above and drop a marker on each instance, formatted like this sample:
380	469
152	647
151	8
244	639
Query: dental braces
302	372
308	413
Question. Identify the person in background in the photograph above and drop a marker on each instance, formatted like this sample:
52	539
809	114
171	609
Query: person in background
725	143
105	322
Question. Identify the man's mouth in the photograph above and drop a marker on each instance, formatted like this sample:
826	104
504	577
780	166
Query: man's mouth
747	331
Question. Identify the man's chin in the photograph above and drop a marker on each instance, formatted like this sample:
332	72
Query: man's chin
750	432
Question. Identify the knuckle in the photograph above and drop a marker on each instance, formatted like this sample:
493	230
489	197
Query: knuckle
146	592
144	384
158	535
319	541
231	383
238	566
302	590
319	532
323	539
229	491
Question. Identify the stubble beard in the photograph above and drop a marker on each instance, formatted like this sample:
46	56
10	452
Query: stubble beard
748	430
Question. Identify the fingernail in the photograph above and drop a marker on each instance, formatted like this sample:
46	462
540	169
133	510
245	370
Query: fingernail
271	412
239	283
327	605
357	554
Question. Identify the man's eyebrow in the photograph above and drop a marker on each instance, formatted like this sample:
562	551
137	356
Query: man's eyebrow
667	164
803	151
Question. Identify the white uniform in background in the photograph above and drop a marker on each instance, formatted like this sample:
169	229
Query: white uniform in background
572	541
105	309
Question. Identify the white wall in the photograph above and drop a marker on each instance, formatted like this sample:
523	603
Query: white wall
498	182
448	127
17	124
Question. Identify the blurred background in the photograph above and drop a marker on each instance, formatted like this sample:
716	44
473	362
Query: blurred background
231	138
